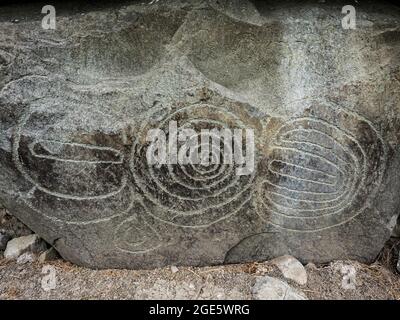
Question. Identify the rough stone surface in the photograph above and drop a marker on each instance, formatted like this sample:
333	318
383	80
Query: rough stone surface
291	269
4	238
396	230
12	226
269	288
18	246
48	255
27	257
76	104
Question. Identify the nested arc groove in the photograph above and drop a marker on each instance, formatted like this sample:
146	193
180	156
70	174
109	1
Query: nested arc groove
321	173
71	202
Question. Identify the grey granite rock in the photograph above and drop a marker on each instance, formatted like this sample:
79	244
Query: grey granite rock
4	238
396	230
27	257
291	269
48	255
13	227
18	246
76	104
269	288
398	263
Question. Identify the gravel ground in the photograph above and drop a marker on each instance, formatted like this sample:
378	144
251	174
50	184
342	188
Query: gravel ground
27	281
224	282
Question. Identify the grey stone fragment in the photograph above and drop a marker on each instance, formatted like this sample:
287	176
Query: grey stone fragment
12	226
18	246
4	238
291	269
27	257
311	266
48	255
396	230
269	288
174	269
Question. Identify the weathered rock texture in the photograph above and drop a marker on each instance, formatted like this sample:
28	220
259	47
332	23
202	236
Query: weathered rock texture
76	104
269	288
19	246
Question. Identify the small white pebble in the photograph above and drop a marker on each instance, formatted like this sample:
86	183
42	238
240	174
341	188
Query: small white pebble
174	269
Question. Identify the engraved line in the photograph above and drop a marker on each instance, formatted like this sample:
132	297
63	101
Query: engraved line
86	146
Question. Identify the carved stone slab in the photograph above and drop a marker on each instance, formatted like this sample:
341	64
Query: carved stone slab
77	103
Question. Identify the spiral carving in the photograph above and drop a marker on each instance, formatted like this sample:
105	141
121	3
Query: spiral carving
191	195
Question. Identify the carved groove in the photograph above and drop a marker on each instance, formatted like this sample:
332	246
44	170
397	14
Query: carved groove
321	172
190	195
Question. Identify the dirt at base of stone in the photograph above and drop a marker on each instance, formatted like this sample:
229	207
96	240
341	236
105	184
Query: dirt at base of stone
339	280
25	281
